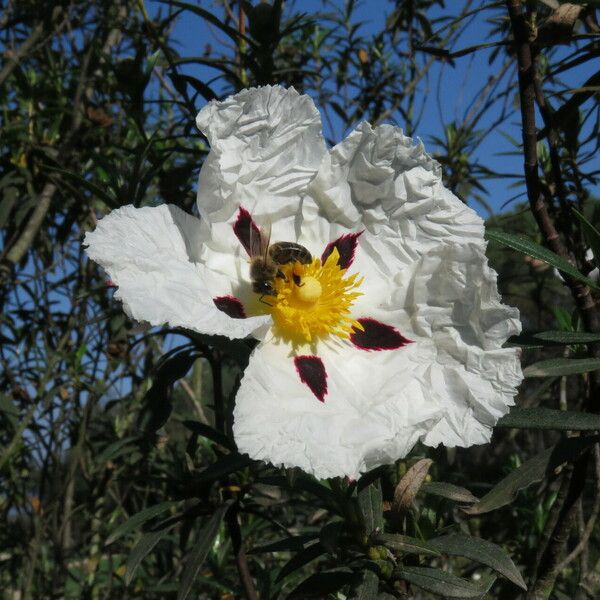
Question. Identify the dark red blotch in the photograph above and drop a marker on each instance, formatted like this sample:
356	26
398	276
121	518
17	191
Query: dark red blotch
346	246
243	227
312	372
377	336
231	306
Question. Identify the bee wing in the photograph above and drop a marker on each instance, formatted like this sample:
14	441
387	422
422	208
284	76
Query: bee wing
265	240
257	241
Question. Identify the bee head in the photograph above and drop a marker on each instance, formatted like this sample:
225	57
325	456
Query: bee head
264	287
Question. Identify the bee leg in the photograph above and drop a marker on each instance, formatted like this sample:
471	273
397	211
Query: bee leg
297	280
281	275
264	301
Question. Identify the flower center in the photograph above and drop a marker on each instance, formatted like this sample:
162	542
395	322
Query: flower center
314	300
308	289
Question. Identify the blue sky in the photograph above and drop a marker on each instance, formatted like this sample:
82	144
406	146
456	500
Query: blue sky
458	85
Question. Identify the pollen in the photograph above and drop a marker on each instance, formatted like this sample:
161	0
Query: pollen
313	301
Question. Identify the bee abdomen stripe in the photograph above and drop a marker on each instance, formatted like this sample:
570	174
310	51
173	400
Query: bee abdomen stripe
312	373
346	246
377	336
231	306
242	228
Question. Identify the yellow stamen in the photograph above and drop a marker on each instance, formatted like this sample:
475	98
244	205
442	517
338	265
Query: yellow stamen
309	290
313	301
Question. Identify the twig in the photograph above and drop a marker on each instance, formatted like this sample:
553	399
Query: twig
557	535
581	293
20	247
241	559
14	57
589	528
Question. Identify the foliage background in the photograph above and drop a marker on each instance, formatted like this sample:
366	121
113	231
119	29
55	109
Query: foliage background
102	419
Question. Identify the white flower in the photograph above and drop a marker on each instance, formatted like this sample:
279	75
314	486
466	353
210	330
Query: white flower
355	364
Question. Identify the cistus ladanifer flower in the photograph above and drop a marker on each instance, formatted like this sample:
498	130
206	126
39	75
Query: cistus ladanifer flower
389	333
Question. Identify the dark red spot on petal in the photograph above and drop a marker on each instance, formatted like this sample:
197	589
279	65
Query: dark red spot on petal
346	246
231	306
377	336
312	372
247	232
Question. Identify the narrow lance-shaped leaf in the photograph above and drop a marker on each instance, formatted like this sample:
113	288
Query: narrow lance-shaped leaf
530	472
449	491
406	544
295	543
529	247
138	519
444	584
197	556
481	551
592	235
142	549
409	486
302	558
368	588
555	338
548	418
561	366
370	500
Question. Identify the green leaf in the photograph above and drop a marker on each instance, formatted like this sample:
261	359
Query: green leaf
115	449
561	366
88	185
210	433
152	60
138	519
591	234
529	247
290	544
370	500
531	471
406	544
9	409
230	463
549	418
322	584
142	549
197	556
568	337
331	534
554	338
480	551
444	584
299	560
368	588
449	491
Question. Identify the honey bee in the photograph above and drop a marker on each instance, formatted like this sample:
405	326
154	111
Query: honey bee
266	258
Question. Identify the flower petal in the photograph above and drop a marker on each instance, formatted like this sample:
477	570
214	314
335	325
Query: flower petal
266	145
154	256
376	408
422	255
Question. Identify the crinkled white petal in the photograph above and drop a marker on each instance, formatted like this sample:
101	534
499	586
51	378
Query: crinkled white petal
266	145
153	255
422	255
375	409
